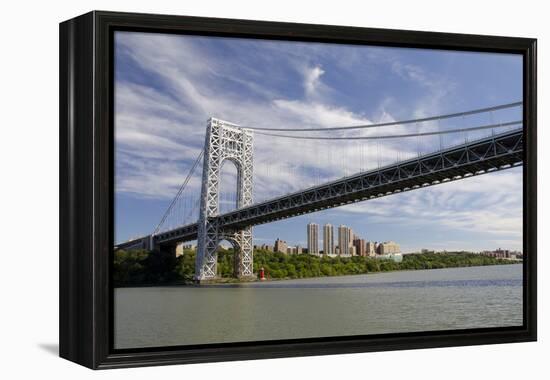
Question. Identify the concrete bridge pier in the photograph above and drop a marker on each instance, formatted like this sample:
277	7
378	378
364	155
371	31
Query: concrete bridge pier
167	248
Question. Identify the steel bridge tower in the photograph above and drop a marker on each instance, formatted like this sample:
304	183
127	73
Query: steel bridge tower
224	141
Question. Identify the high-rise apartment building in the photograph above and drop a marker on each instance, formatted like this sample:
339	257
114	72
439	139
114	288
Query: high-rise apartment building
313	239
328	239
343	240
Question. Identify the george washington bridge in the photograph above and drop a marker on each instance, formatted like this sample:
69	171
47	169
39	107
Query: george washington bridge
324	168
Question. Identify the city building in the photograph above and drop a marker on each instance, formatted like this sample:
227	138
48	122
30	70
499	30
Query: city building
503	254
370	248
267	247
294	250
313	238
280	246
360	247
328	239
388	247
181	247
351	236
343	240
351	239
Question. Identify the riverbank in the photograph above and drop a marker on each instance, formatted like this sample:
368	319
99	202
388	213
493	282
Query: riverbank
143	268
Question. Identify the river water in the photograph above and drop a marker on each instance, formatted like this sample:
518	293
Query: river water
403	301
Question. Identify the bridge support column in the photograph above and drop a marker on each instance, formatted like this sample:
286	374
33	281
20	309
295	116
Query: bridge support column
243	268
224	141
167	249
207	257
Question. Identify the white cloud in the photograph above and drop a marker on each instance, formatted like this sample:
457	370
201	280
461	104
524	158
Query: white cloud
312	82
318	114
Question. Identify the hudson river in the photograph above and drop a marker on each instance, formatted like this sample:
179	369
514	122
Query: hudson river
404	301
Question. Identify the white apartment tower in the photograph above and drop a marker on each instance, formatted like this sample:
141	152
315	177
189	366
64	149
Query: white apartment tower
343	240
313	239
328	239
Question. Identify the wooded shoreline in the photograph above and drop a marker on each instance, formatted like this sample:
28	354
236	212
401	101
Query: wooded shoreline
152	268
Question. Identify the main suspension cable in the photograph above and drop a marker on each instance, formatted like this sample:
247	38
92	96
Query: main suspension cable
378	125
381	137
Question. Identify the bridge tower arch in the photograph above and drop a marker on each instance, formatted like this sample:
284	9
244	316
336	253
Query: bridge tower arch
224	141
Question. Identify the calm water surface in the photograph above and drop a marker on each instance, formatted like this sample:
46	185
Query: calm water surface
405	301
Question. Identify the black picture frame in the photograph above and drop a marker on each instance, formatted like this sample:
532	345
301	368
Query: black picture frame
86	188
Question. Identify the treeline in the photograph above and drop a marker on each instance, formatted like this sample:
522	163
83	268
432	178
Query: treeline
278	265
140	267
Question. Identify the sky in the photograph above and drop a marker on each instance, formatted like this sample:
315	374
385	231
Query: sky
167	86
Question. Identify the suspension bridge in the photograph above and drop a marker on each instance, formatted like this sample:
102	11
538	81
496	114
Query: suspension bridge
322	168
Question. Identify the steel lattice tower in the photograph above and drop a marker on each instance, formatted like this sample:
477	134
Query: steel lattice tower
224	141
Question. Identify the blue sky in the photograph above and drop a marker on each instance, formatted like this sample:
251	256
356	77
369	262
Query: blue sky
167	86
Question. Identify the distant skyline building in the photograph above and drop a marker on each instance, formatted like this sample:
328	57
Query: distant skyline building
267	247
360	246
504	254
294	250
343	240
328	239
388	247
370	248
313	238
352	236
181	247
280	246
